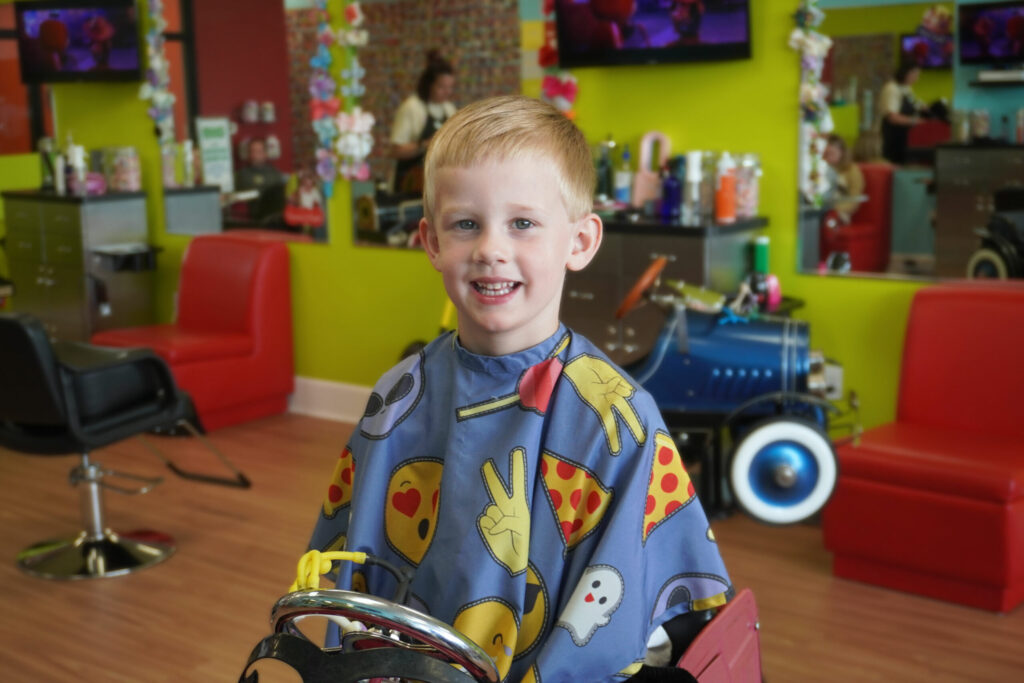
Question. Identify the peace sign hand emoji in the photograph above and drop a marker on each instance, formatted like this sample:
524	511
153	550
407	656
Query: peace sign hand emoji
605	390
505	524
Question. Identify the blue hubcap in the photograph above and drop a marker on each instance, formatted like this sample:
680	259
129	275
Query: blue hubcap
796	460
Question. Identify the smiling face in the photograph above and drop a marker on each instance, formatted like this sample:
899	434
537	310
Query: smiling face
502	238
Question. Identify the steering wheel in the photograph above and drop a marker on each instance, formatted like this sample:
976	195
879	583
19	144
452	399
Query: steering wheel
642	284
437	644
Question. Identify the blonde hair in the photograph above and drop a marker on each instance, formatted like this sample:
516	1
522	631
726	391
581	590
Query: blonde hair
514	127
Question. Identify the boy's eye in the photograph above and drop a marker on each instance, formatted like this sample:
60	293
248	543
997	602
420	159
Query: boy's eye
522	223
465	225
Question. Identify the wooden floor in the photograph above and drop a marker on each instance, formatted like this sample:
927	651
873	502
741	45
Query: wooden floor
196	617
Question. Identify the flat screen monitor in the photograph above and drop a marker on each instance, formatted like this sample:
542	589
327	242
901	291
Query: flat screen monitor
78	40
927	52
614	32
991	33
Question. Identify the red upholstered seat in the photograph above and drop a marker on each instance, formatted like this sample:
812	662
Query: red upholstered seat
176	345
933	503
231	345
868	235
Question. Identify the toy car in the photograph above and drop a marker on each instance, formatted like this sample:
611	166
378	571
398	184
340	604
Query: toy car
385	638
1001	253
746	385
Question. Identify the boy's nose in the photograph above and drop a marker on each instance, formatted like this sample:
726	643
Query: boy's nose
491	247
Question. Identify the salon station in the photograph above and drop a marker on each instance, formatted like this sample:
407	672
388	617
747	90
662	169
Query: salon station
812	259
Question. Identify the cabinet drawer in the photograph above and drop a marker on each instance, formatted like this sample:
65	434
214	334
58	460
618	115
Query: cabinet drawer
21	217
60	217
24	246
63	247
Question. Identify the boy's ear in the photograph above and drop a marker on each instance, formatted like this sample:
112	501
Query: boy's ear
586	240
428	238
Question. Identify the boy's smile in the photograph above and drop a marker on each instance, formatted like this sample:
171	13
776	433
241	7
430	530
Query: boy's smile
502	239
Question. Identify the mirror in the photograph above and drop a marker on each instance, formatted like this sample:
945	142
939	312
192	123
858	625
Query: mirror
258	77
878	217
481	42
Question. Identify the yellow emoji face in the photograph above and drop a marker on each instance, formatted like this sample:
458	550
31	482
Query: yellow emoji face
410	513
491	624
535	611
339	493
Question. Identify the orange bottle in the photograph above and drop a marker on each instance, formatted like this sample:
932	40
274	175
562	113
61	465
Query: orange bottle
725	190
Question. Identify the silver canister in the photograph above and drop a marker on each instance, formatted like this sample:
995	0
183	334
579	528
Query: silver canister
980	124
748	186
121	168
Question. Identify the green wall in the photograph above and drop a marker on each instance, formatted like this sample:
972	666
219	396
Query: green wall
355	308
17	171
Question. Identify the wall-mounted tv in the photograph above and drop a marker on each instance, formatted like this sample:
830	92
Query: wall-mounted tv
991	32
614	32
78	40
927	52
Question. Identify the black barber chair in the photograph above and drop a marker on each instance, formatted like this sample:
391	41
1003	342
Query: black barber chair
71	398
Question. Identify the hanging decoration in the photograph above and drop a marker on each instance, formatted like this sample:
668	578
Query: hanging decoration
815	117
558	87
342	128
155	87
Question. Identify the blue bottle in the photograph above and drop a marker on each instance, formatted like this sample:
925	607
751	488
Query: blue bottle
671	192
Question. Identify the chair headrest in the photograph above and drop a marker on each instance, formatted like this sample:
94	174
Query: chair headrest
28	373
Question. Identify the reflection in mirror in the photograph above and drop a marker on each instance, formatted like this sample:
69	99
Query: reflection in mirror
890	84
479	40
258	76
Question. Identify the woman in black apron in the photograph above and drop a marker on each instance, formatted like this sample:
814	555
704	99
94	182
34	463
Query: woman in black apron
896	125
432	99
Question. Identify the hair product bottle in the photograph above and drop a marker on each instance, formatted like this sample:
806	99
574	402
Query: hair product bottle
725	190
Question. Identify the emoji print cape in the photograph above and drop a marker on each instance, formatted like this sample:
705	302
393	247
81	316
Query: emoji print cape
538	498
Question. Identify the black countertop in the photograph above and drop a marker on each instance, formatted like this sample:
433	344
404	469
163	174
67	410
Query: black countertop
625	223
49	196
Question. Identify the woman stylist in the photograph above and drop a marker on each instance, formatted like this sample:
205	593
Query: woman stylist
900	111
418	118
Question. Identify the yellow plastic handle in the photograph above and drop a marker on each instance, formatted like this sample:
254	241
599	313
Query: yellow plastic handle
314	564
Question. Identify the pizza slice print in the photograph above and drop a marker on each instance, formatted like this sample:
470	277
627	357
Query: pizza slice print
669	488
339	493
577	497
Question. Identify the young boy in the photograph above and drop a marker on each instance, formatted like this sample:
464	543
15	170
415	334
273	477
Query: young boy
529	482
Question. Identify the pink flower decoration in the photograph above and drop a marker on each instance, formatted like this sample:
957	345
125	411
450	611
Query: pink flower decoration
354	14
326	36
319	109
555	86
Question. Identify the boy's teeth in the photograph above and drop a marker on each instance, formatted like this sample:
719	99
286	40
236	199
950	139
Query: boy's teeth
494	288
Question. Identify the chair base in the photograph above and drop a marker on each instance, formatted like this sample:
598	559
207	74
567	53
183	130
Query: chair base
83	557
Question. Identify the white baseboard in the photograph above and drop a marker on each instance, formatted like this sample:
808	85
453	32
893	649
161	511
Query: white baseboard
330	400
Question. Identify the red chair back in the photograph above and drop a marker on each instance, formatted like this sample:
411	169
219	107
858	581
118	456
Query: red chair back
962	366
220	276
877	210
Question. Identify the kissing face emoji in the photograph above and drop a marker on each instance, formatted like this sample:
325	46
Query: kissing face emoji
491	624
410	513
